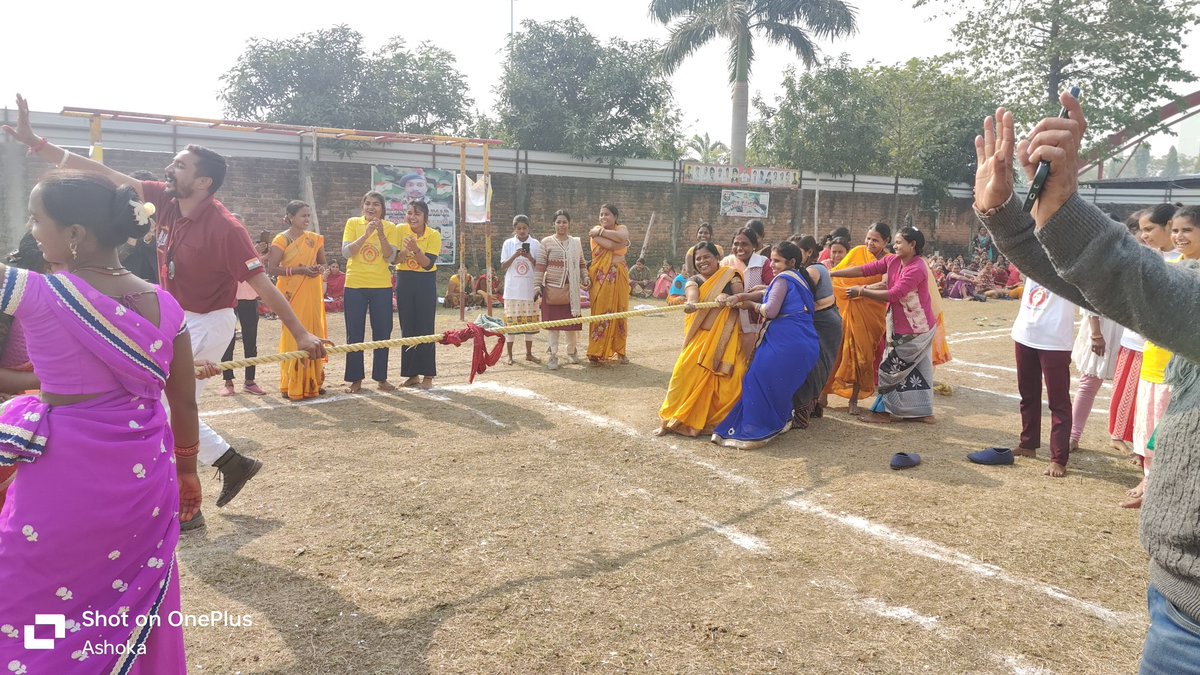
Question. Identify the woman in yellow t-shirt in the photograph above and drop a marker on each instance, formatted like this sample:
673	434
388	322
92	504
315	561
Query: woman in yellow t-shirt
369	243
416	293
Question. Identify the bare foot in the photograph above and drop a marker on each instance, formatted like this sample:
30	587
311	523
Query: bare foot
1132	503
853	409
354	387
510	359
531	358
1055	470
929	419
1136	493
1024	452
1073	445
427	383
1119	445
411	382
876	418
621	359
661	431
386	386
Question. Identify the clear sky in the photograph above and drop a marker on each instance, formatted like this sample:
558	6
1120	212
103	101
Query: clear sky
168	58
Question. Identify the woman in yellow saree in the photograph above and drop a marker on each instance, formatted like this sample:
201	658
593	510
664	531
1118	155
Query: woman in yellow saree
707	380
863	324
609	292
296	258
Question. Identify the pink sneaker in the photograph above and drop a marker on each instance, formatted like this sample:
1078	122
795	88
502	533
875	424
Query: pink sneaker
227	390
252	388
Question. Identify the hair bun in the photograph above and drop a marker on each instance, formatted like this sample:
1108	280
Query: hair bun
124	218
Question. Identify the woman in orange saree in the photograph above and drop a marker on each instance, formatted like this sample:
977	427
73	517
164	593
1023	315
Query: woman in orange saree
296	258
864	322
707	380
609	292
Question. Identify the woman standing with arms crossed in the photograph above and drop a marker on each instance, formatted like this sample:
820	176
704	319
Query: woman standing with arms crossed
416	293
369	243
609	291
864	321
560	273
295	259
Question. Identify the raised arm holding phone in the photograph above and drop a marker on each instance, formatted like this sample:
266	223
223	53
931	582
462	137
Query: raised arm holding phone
1076	251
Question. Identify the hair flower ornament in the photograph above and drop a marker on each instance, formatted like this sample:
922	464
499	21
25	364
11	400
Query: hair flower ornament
142	211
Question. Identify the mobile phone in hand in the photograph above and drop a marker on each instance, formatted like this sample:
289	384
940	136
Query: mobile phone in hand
1043	170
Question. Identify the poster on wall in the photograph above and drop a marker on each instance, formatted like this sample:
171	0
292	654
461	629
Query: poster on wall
745	203
401	185
723	174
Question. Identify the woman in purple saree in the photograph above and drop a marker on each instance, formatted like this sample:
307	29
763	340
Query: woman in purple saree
91	521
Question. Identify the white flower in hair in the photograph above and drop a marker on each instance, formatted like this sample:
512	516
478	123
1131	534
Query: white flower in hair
142	211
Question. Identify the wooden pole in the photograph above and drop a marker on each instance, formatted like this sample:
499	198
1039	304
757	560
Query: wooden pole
462	232
487	229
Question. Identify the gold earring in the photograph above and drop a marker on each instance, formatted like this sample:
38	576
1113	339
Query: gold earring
74	251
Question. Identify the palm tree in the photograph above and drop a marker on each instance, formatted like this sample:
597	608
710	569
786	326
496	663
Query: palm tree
708	151
792	23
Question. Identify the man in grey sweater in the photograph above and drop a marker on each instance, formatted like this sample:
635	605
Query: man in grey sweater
1077	252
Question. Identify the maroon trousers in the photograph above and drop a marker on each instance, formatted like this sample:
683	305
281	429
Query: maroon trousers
1054	367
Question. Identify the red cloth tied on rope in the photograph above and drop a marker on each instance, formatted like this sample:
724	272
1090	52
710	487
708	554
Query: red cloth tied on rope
481	358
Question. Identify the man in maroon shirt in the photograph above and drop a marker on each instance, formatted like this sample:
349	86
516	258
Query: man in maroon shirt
203	254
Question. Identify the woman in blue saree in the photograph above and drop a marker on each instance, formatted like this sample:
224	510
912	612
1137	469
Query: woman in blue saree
786	353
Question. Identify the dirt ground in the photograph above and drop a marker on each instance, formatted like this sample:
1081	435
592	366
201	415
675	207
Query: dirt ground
530	522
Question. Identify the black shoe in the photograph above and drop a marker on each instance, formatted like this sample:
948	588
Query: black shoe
235	472
196	523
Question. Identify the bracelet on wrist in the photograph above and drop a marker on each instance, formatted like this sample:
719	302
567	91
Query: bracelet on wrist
188	451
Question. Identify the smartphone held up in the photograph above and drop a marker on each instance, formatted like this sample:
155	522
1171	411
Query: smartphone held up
1043	169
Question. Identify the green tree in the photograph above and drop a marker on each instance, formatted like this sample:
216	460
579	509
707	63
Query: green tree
1141	161
791	23
1172	168
326	78
706	150
826	119
564	91
1124	55
914	120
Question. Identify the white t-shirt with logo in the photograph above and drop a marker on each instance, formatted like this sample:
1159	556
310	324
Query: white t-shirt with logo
518	280
1045	320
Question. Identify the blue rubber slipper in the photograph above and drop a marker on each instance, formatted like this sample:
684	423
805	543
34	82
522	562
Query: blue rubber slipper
905	460
992	456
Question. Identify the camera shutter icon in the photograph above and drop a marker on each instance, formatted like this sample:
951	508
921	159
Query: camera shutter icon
59	622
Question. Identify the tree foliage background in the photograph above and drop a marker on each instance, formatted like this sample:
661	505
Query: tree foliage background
564	91
915	120
1123	54
326	78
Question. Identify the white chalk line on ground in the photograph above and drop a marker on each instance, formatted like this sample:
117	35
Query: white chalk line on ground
911	544
927	549
338	398
735	536
1014	397
1016	663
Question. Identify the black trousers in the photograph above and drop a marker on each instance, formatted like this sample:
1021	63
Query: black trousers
416	303
247	314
